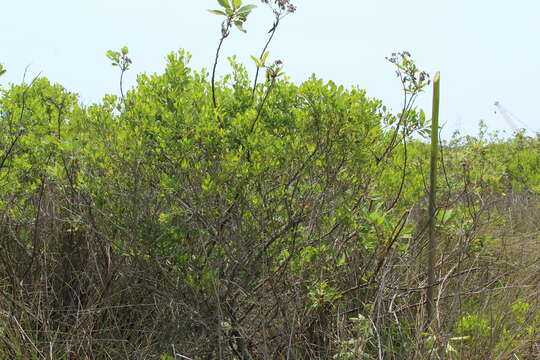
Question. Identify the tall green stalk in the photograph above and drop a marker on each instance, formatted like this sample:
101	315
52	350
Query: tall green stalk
432	190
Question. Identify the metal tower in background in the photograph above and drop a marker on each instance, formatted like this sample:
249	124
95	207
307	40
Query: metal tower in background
509	117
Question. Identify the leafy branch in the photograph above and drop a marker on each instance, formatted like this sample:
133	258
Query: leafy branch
120	59
273	71
8	152
413	82
282	9
235	14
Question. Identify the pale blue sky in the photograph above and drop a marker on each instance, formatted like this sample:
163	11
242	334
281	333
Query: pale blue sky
486	51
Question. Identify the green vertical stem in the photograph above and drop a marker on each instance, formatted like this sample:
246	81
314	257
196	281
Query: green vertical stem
432	190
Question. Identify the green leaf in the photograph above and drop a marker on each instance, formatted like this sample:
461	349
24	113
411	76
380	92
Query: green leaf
237	3
111	54
217	12
265	56
245	10
2	70
124	50
422	116
224	3
239	25
258	62
445	216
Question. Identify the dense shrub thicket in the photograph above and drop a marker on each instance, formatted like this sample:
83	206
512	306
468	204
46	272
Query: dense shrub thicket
158	224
